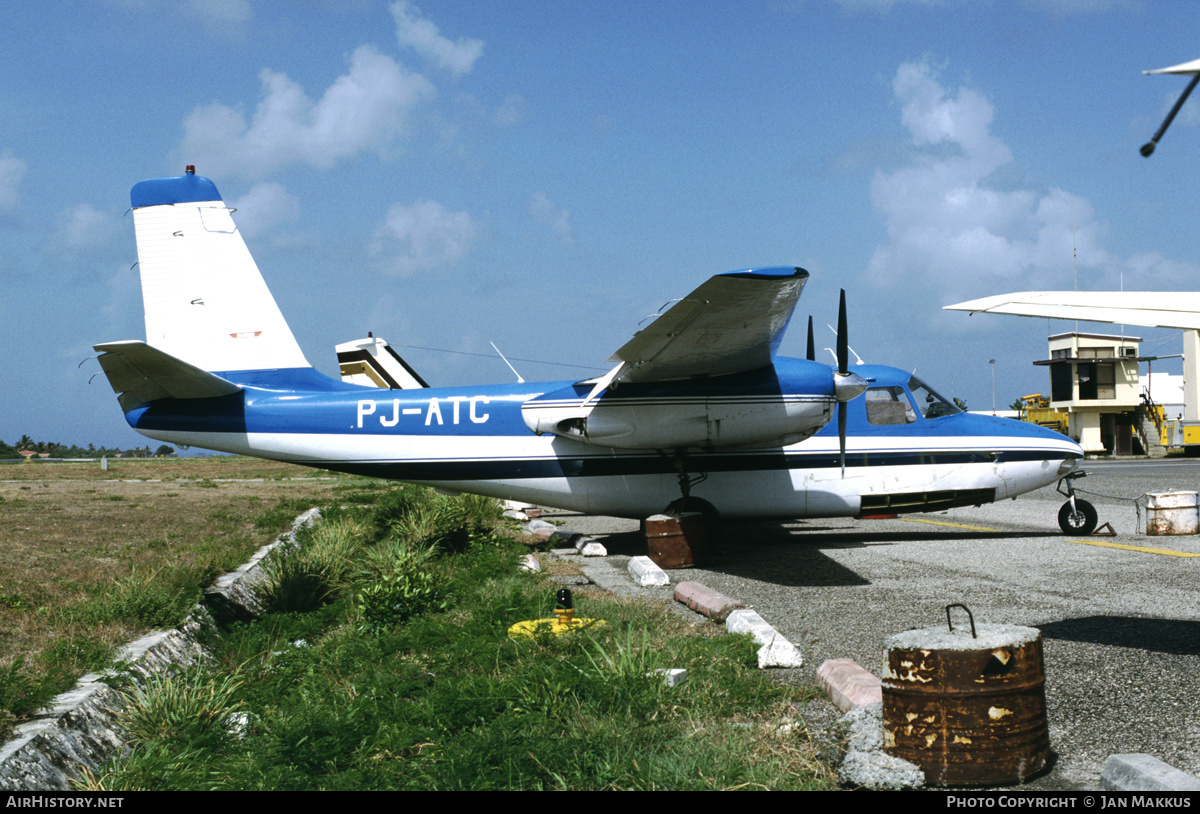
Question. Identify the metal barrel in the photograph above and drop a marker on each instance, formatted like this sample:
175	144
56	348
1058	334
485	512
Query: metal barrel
1172	512
968	711
677	541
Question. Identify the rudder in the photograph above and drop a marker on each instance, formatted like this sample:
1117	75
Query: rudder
205	300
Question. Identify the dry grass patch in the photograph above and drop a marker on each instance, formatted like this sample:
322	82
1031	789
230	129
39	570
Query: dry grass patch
92	559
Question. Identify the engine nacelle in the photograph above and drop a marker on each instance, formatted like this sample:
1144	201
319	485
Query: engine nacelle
662	421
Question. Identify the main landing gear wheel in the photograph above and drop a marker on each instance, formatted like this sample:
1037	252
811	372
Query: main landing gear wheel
1078	522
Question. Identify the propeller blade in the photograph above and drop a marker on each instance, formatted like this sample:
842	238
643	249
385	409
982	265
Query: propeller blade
843	360
812	348
842	435
843	341
846	385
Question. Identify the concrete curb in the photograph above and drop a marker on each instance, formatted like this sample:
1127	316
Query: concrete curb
1144	773
705	600
646	573
848	685
775	651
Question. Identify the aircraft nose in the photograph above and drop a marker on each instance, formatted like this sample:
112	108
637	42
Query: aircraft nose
847	386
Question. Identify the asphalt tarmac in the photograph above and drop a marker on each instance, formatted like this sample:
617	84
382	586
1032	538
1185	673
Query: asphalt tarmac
1120	625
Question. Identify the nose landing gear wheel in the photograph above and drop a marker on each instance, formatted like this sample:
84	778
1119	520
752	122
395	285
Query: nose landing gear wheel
1078	522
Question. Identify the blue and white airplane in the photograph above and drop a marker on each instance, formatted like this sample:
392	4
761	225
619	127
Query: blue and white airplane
698	406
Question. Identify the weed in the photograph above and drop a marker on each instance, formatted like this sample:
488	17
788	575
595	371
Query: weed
402	583
315	570
19	692
279	519
160	599
72	654
188	710
16	601
421	514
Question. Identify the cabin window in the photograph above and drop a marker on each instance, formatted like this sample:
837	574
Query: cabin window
928	401
888	405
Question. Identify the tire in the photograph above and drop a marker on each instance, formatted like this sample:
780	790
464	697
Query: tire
1078	523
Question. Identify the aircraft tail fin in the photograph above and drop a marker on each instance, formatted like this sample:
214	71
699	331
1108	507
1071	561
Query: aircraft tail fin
373	363
205	300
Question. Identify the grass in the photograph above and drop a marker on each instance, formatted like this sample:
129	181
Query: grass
92	559
387	664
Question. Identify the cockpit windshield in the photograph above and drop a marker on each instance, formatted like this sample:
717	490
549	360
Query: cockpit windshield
930	402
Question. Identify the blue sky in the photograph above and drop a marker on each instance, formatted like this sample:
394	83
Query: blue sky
543	175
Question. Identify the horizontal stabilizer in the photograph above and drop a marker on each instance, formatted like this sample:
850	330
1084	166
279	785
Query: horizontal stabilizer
1154	309
140	373
730	324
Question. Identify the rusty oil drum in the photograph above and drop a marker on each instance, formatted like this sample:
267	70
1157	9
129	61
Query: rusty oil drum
967	710
677	541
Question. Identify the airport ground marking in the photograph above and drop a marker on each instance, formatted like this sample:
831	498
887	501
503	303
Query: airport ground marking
1143	549
940	523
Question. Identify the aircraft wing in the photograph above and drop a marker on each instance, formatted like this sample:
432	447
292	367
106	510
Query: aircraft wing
1192	67
732	323
142	373
1155	309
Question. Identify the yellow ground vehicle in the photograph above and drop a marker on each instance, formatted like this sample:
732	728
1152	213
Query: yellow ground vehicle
1036	410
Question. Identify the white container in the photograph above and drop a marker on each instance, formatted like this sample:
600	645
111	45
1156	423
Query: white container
1172	512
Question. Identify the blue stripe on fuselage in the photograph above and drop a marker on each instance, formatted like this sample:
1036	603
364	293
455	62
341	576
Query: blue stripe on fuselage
301	400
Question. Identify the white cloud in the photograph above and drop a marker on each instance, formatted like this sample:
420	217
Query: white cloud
366	109
457	57
265	207
953	226
12	173
86	227
512	110
422	236
548	213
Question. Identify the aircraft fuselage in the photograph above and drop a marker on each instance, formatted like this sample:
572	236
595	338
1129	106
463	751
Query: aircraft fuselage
477	439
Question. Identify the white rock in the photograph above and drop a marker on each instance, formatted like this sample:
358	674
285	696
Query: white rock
775	650
673	677
646	573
